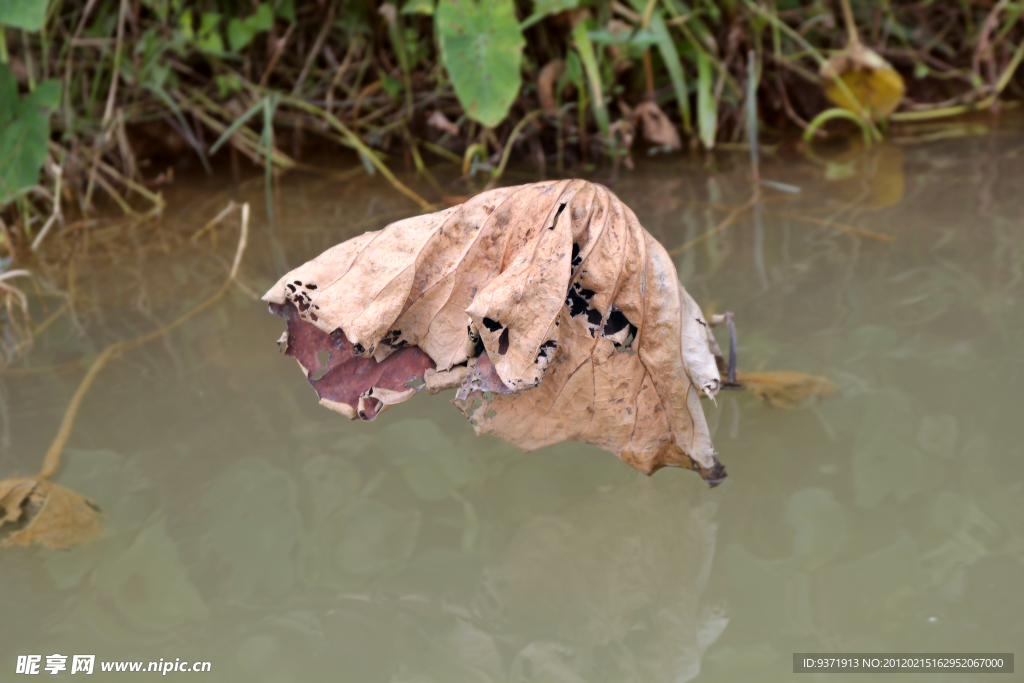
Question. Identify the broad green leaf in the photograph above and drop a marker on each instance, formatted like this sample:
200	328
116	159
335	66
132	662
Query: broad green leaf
24	14
208	39
242	31
185	25
262	19
481	47
8	94
542	8
44	99
239	34
707	110
24	133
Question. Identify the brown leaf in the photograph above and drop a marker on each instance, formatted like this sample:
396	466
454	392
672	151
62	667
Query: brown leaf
786	390
546	81
52	515
577	307
349	384
440	121
658	128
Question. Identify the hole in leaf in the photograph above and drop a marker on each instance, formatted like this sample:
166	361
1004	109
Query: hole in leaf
577	260
503	342
561	207
547	350
616	321
492	325
578	300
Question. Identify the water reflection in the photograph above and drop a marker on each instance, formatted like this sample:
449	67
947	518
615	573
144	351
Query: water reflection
249	527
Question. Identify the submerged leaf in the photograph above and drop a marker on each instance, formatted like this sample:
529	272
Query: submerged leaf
786	390
52	515
552	293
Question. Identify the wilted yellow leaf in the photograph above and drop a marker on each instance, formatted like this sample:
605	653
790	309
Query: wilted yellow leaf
51	515
568	316
786	390
877	87
658	128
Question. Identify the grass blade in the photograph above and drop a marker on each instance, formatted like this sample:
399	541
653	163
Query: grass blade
707	108
586	51
226	135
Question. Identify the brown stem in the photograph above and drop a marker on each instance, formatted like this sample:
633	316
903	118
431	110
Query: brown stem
851	25
52	460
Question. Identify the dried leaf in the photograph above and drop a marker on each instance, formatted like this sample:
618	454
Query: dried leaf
351	385
786	390
872	80
440	121
52	515
546	80
555	284
658	129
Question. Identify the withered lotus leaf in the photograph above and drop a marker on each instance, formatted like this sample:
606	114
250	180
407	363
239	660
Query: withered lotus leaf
47	513
567	315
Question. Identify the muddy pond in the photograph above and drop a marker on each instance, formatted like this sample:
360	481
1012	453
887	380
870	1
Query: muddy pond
251	528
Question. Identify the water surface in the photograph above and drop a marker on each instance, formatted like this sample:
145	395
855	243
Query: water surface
251	528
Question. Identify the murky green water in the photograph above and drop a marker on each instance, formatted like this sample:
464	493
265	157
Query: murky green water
251	528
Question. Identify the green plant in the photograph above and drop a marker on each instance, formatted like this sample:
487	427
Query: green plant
24	133
28	15
481	47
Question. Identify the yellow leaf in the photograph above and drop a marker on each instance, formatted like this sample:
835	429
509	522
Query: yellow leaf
877	87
